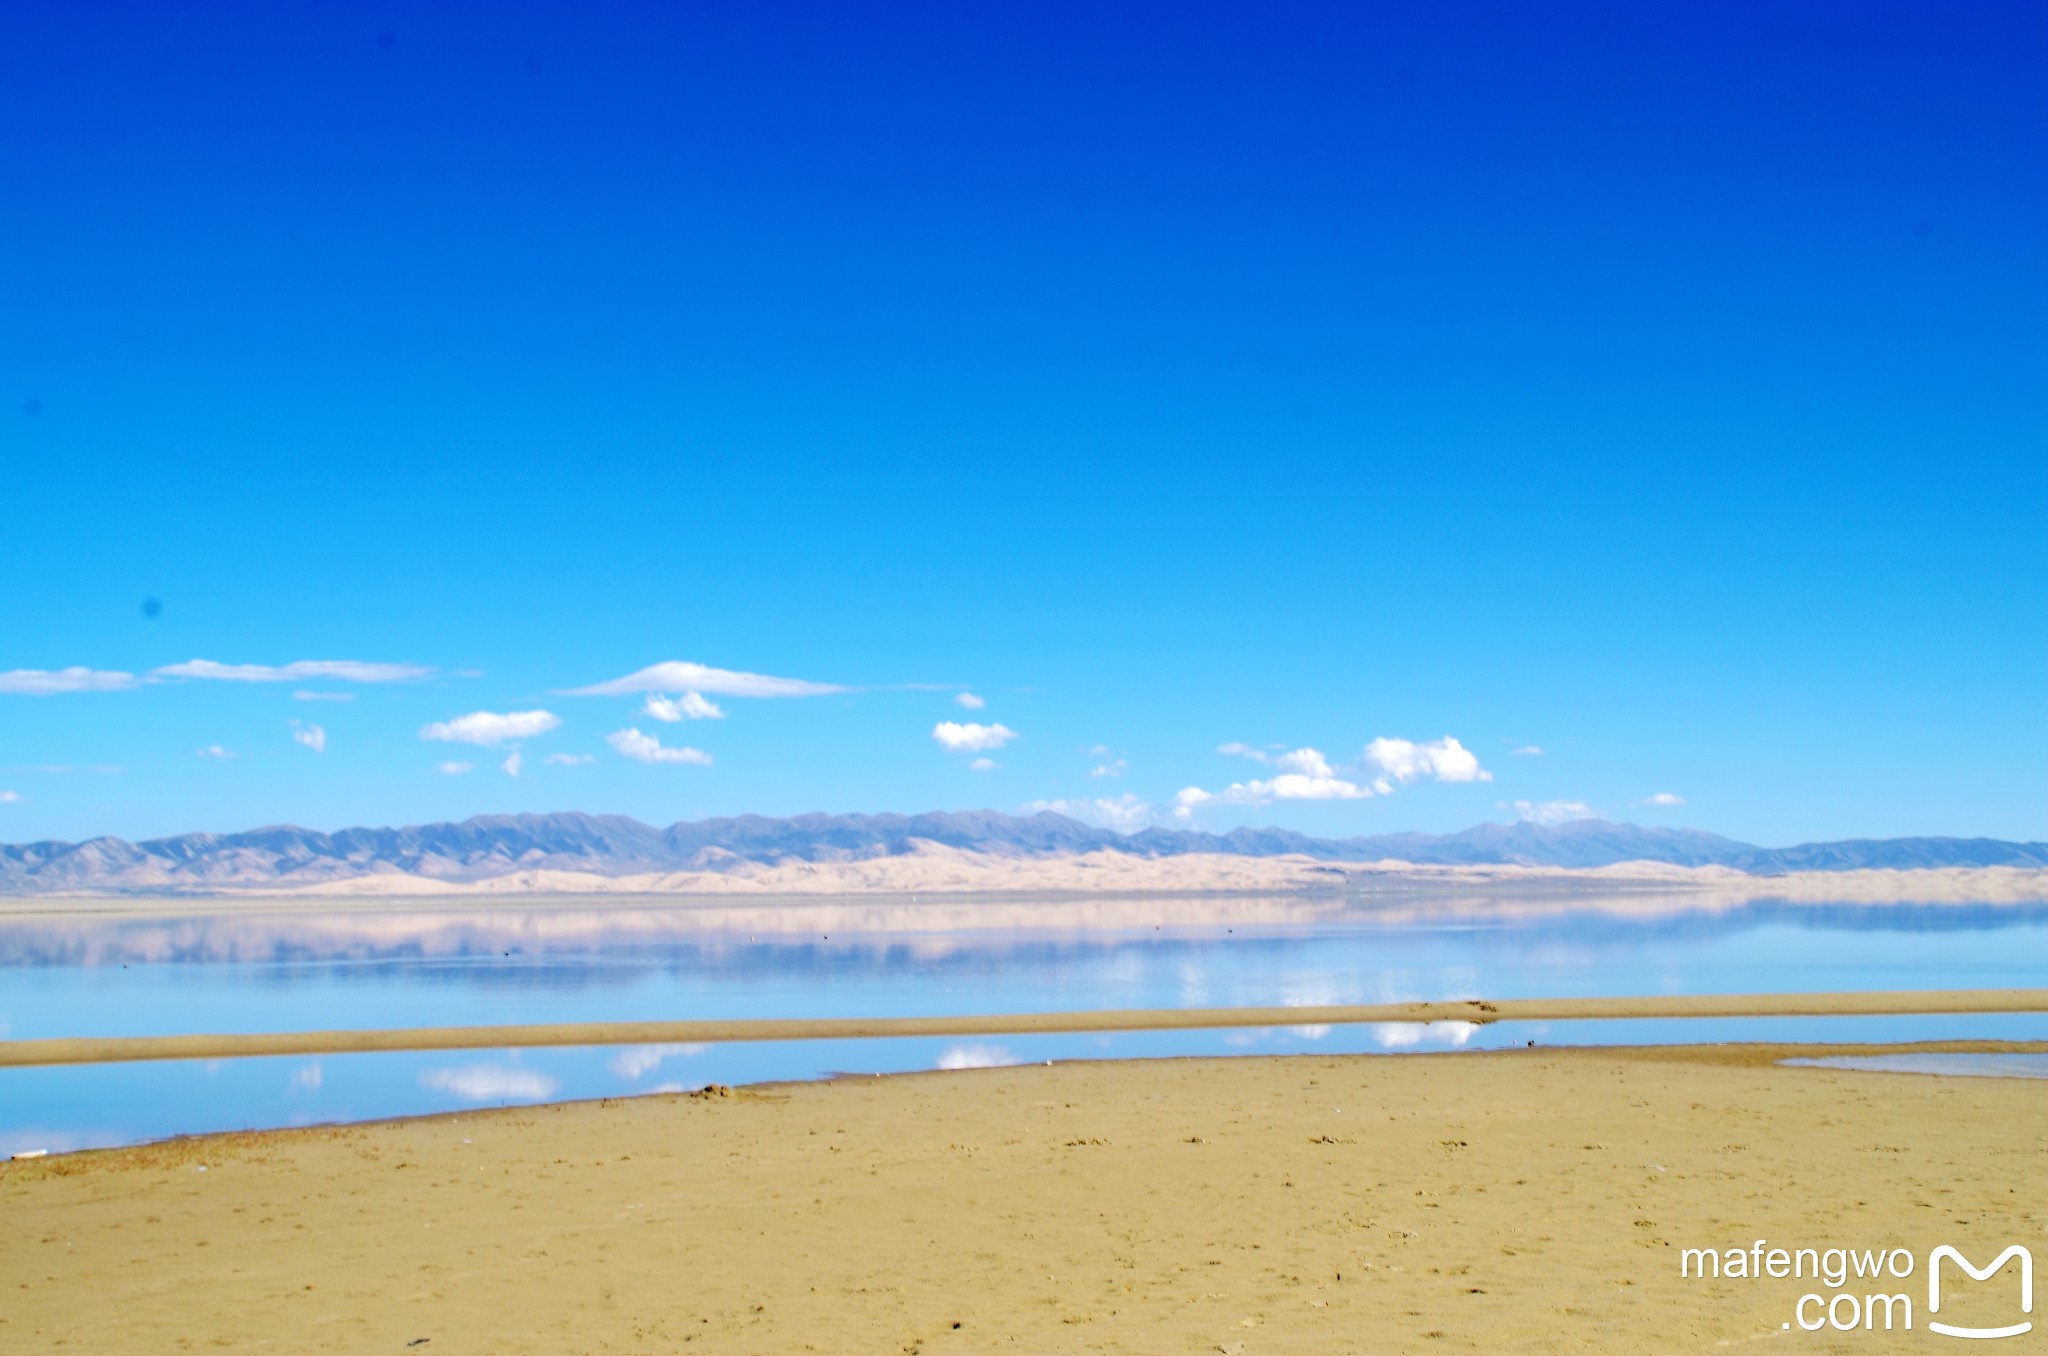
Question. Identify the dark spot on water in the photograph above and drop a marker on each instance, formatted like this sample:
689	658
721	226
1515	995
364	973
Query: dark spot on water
152	608
386	40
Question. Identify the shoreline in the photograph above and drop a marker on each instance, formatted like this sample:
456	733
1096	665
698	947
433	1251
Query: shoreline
98	1050
1483	1200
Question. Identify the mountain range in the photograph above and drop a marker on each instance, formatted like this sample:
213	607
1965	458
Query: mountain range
489	846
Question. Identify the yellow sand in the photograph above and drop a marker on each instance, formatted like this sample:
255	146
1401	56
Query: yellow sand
1528	1200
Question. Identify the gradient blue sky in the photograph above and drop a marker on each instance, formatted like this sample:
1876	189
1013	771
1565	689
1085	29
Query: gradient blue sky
1660	386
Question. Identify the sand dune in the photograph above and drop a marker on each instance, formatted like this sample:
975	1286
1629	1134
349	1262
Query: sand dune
935	869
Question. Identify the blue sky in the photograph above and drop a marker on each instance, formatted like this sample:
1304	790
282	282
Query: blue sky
1659	387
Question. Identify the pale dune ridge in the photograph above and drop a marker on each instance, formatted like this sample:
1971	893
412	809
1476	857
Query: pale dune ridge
936	869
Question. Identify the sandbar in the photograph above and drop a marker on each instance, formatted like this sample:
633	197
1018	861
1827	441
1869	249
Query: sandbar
229	1045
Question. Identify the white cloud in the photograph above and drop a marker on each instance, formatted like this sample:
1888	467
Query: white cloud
970	701
1306	761
513	762
308	1078
490	1083
1665	798
975	1057
10	797
1115	767
1529	751
490	728
955	737
1286	786
311	735
983	765
689	706
568	759
307	695
1125	813
454	769
1551	811
49	682
677	676
642	748
1402	761
343	670
216	751
636	1062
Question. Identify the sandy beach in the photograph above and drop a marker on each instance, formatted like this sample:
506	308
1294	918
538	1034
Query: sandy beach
1532	1200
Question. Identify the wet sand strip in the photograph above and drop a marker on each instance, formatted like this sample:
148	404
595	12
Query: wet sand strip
99	1050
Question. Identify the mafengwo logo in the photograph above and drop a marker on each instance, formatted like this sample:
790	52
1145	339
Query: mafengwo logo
1860	1292
1945	1252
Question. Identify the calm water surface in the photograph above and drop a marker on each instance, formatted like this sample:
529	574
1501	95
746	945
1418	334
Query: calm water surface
401	967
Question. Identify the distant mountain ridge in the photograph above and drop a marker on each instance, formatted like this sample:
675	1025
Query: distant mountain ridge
488	846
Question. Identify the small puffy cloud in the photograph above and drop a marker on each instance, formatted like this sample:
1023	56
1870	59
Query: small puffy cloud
1286	786
1529	751
983	765
216	751
491	1083
309	734
1402	761
1665	799
975	1056
636	1062
645	748
299	671
10	797
689	706
452	768
308	695
1550	811
1126	813
1115	767
308	1078
491	728
970	701
1306	761
955	737
678	676
513	762
568	759
50	682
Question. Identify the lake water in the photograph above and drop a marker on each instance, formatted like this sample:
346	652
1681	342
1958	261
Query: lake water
1945	1065
407	966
